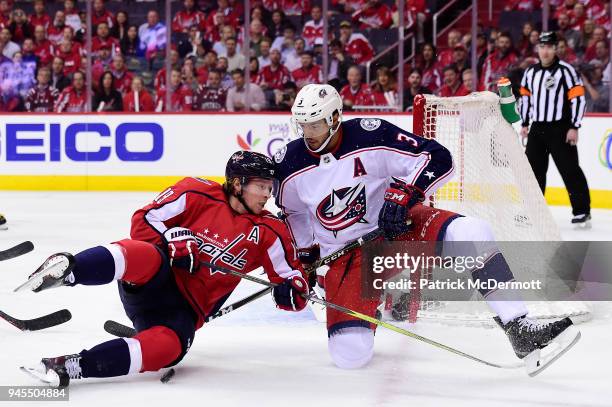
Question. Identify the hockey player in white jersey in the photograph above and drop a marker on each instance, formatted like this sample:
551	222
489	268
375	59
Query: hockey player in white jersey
344	179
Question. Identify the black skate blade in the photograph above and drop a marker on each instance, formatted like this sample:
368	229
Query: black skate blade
567	339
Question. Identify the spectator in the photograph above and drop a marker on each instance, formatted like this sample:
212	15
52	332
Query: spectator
460	57
532	51
41	98
130	44
123	78
415	13
566	8
264	52
103	38
58	79
597	92
219	46
468	79
181	97
602	55
565	53
355	44
208	64
55	32
211	97
293	59
71	56
102	15
160	77
339	64
428	65
223	15
286	43
27	50
285	97
452	83
356	93
107	98
43	49
579	17
599	34
445	57
189	76
416	88
194	45
226	79
384	91
40	16
313	28
236	95
138	99
20	28
72	15
257	36
100	63
348	6
119	30
585	36
375	14
17	78
277	24
521	5
7	47
571	36
235	60
152	36
73	99
290	7
254	70
275	75
308	73
524	44
499	63
188	17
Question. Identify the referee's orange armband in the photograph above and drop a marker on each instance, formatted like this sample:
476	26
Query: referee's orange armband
575	92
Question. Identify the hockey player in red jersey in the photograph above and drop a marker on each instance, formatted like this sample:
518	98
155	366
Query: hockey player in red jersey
345	179
165	291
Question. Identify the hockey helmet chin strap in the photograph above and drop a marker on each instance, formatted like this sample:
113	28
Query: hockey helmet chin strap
332	130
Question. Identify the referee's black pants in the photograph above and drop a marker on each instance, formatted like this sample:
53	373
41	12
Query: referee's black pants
549	138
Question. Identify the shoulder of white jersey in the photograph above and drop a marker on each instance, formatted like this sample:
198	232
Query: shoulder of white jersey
358	36
291	158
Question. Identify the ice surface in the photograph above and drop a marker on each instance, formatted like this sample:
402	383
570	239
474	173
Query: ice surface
261	356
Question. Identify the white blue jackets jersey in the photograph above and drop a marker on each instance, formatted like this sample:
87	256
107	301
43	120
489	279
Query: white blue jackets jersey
334	198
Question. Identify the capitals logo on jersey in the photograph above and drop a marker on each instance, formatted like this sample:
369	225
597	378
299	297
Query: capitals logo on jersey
342	208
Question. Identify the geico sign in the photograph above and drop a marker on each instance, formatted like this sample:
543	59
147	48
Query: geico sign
22	136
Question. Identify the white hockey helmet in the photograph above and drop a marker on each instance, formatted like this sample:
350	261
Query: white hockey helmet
313	103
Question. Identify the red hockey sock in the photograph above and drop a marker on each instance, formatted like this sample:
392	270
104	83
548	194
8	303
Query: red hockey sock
142	261
160	346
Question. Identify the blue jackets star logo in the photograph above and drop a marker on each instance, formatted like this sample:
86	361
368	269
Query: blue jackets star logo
342	208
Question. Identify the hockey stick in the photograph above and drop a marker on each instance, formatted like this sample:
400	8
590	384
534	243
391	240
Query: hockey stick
47	321
123	331
368	318
15	251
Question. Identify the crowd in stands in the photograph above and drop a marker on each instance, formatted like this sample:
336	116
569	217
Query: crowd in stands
43	56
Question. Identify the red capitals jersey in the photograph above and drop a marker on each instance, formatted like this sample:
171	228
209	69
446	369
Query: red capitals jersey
105	17
44	51
239	242
359	49
71	101
181	99
138	102
72	60
304	76
41	99
446	91
110	42
289	7
123	80
363	96
378	16
312	31
55	34
495	67
274	78
209	98
184	19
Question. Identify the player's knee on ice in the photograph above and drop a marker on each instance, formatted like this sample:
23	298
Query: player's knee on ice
160	347
469	229
351	348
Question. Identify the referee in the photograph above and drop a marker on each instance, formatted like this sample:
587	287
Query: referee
552	100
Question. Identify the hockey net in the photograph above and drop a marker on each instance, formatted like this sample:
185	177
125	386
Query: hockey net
493	181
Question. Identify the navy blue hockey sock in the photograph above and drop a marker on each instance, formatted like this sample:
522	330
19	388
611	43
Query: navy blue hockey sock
108	359
94	266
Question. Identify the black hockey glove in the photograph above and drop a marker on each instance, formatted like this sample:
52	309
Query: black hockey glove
393	219
308	256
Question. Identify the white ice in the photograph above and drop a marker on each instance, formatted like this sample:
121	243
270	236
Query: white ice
261	356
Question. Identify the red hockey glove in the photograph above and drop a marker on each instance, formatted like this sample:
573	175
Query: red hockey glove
183	249
393	219
287	295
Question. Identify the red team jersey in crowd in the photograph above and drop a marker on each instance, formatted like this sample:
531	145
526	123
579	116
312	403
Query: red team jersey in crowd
142	100
105	17
55	34
72	60
225	238
41	99
378	16
359	49
109	42
312	31
44	51
181	99
208	98
289	7
71	101
363	96
303	76
446	91
274	78
494	68
184	19
123	80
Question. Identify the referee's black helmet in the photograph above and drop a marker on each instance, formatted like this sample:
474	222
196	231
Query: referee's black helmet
548	37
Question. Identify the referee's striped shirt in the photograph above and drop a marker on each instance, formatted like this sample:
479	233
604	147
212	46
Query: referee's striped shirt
552	94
